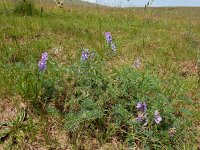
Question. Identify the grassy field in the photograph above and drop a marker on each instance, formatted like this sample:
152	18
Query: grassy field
93	103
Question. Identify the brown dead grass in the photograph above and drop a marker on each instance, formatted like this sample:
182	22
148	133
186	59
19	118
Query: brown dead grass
50	133
8	110
188	68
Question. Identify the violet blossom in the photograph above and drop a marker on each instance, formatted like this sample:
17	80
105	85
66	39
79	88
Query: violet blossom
142	106
85	55
108	37
157	117
42	64
45	56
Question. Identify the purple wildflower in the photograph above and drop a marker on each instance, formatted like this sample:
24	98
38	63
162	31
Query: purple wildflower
42	64
142	106
108	37
45	56
137	63
157	117
172	132
85	55
113	46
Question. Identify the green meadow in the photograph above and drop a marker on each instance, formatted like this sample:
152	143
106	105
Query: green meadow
87	95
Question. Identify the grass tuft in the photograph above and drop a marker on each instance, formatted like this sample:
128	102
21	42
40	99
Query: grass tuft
25	7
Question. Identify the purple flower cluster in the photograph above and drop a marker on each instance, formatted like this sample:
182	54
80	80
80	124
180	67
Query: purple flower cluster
157	117
109	41
142	115
108	37
85	55
42	64
141	106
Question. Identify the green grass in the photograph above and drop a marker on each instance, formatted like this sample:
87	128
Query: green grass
92	105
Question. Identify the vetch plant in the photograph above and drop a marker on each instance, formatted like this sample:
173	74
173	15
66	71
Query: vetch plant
85	55
142	115
108	37
42	64
95	98
110	42
142	106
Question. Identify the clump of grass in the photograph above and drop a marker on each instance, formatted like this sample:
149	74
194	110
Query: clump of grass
25	7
